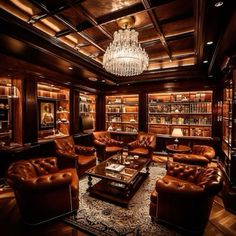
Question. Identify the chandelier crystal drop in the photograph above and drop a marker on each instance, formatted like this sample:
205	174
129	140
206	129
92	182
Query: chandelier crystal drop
124	56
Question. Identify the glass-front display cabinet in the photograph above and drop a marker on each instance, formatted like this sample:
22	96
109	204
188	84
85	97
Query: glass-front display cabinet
87	111
229	126
190	111
122	113
53	111
10	112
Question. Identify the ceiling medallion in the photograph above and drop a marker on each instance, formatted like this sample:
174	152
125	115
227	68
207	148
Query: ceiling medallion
124	56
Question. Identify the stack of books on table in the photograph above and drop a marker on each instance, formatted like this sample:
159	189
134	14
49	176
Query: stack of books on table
115	167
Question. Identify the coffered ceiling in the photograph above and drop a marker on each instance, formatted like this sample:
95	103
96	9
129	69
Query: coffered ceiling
178	35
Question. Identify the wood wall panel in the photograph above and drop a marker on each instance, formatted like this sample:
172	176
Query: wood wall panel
30	115
74	111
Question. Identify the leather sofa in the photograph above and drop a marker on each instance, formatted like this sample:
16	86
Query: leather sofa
42	190
105	145
201	155
183	198
143	146
71	155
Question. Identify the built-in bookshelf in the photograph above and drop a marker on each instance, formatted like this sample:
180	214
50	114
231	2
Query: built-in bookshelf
122	113
53	111
228	127
87	107
10	112
190	111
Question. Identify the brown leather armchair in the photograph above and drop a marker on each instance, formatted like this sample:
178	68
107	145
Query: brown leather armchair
71	155
183	198
143	146
201	155
42	190
105	145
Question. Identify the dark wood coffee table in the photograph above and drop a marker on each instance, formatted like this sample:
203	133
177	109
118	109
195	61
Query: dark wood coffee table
118	186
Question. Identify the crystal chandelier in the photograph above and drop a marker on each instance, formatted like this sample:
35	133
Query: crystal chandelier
124	56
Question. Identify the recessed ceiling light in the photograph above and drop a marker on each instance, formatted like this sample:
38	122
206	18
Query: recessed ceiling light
70	68
209	43
219	4
205	61
92	79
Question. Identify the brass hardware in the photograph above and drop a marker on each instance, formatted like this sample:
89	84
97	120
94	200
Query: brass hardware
126	22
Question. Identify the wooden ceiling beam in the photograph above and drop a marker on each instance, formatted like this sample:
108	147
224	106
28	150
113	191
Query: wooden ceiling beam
66	23
57	10
94	22
157	26
199	12
134	9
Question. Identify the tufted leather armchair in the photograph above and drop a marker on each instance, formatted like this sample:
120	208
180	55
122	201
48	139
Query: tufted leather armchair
201	155
143	146
71	155
105	145
42	190
183	198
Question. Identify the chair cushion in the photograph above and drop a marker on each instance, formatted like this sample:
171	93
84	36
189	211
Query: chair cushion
84	160
141	151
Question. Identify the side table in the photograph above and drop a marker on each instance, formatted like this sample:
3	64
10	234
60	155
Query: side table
172	148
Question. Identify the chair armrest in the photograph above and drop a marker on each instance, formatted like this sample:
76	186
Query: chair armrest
45	182
151	147
209	154
211	179
116	143
66	154
133	144
84	150
178	188
100	144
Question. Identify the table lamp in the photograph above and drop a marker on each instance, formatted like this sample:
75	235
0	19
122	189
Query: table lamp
177	132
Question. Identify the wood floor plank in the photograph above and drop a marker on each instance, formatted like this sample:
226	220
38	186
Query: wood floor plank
221	223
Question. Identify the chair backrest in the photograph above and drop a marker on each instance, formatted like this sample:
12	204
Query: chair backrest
65	144
146	139
209	178
26	169
188	173
206	151
99	135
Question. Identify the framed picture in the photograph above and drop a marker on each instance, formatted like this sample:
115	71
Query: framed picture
47	114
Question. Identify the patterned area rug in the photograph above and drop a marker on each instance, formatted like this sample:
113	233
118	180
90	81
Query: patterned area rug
102	218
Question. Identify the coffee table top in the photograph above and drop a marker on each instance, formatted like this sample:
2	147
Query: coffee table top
130	167
178	148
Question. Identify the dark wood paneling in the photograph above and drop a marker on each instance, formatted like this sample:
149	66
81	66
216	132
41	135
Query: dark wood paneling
100	112
30	115
75	129
143	112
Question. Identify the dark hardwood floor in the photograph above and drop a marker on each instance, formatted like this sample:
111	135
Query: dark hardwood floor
221	222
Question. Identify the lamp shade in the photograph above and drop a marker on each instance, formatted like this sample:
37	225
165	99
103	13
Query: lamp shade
177	132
